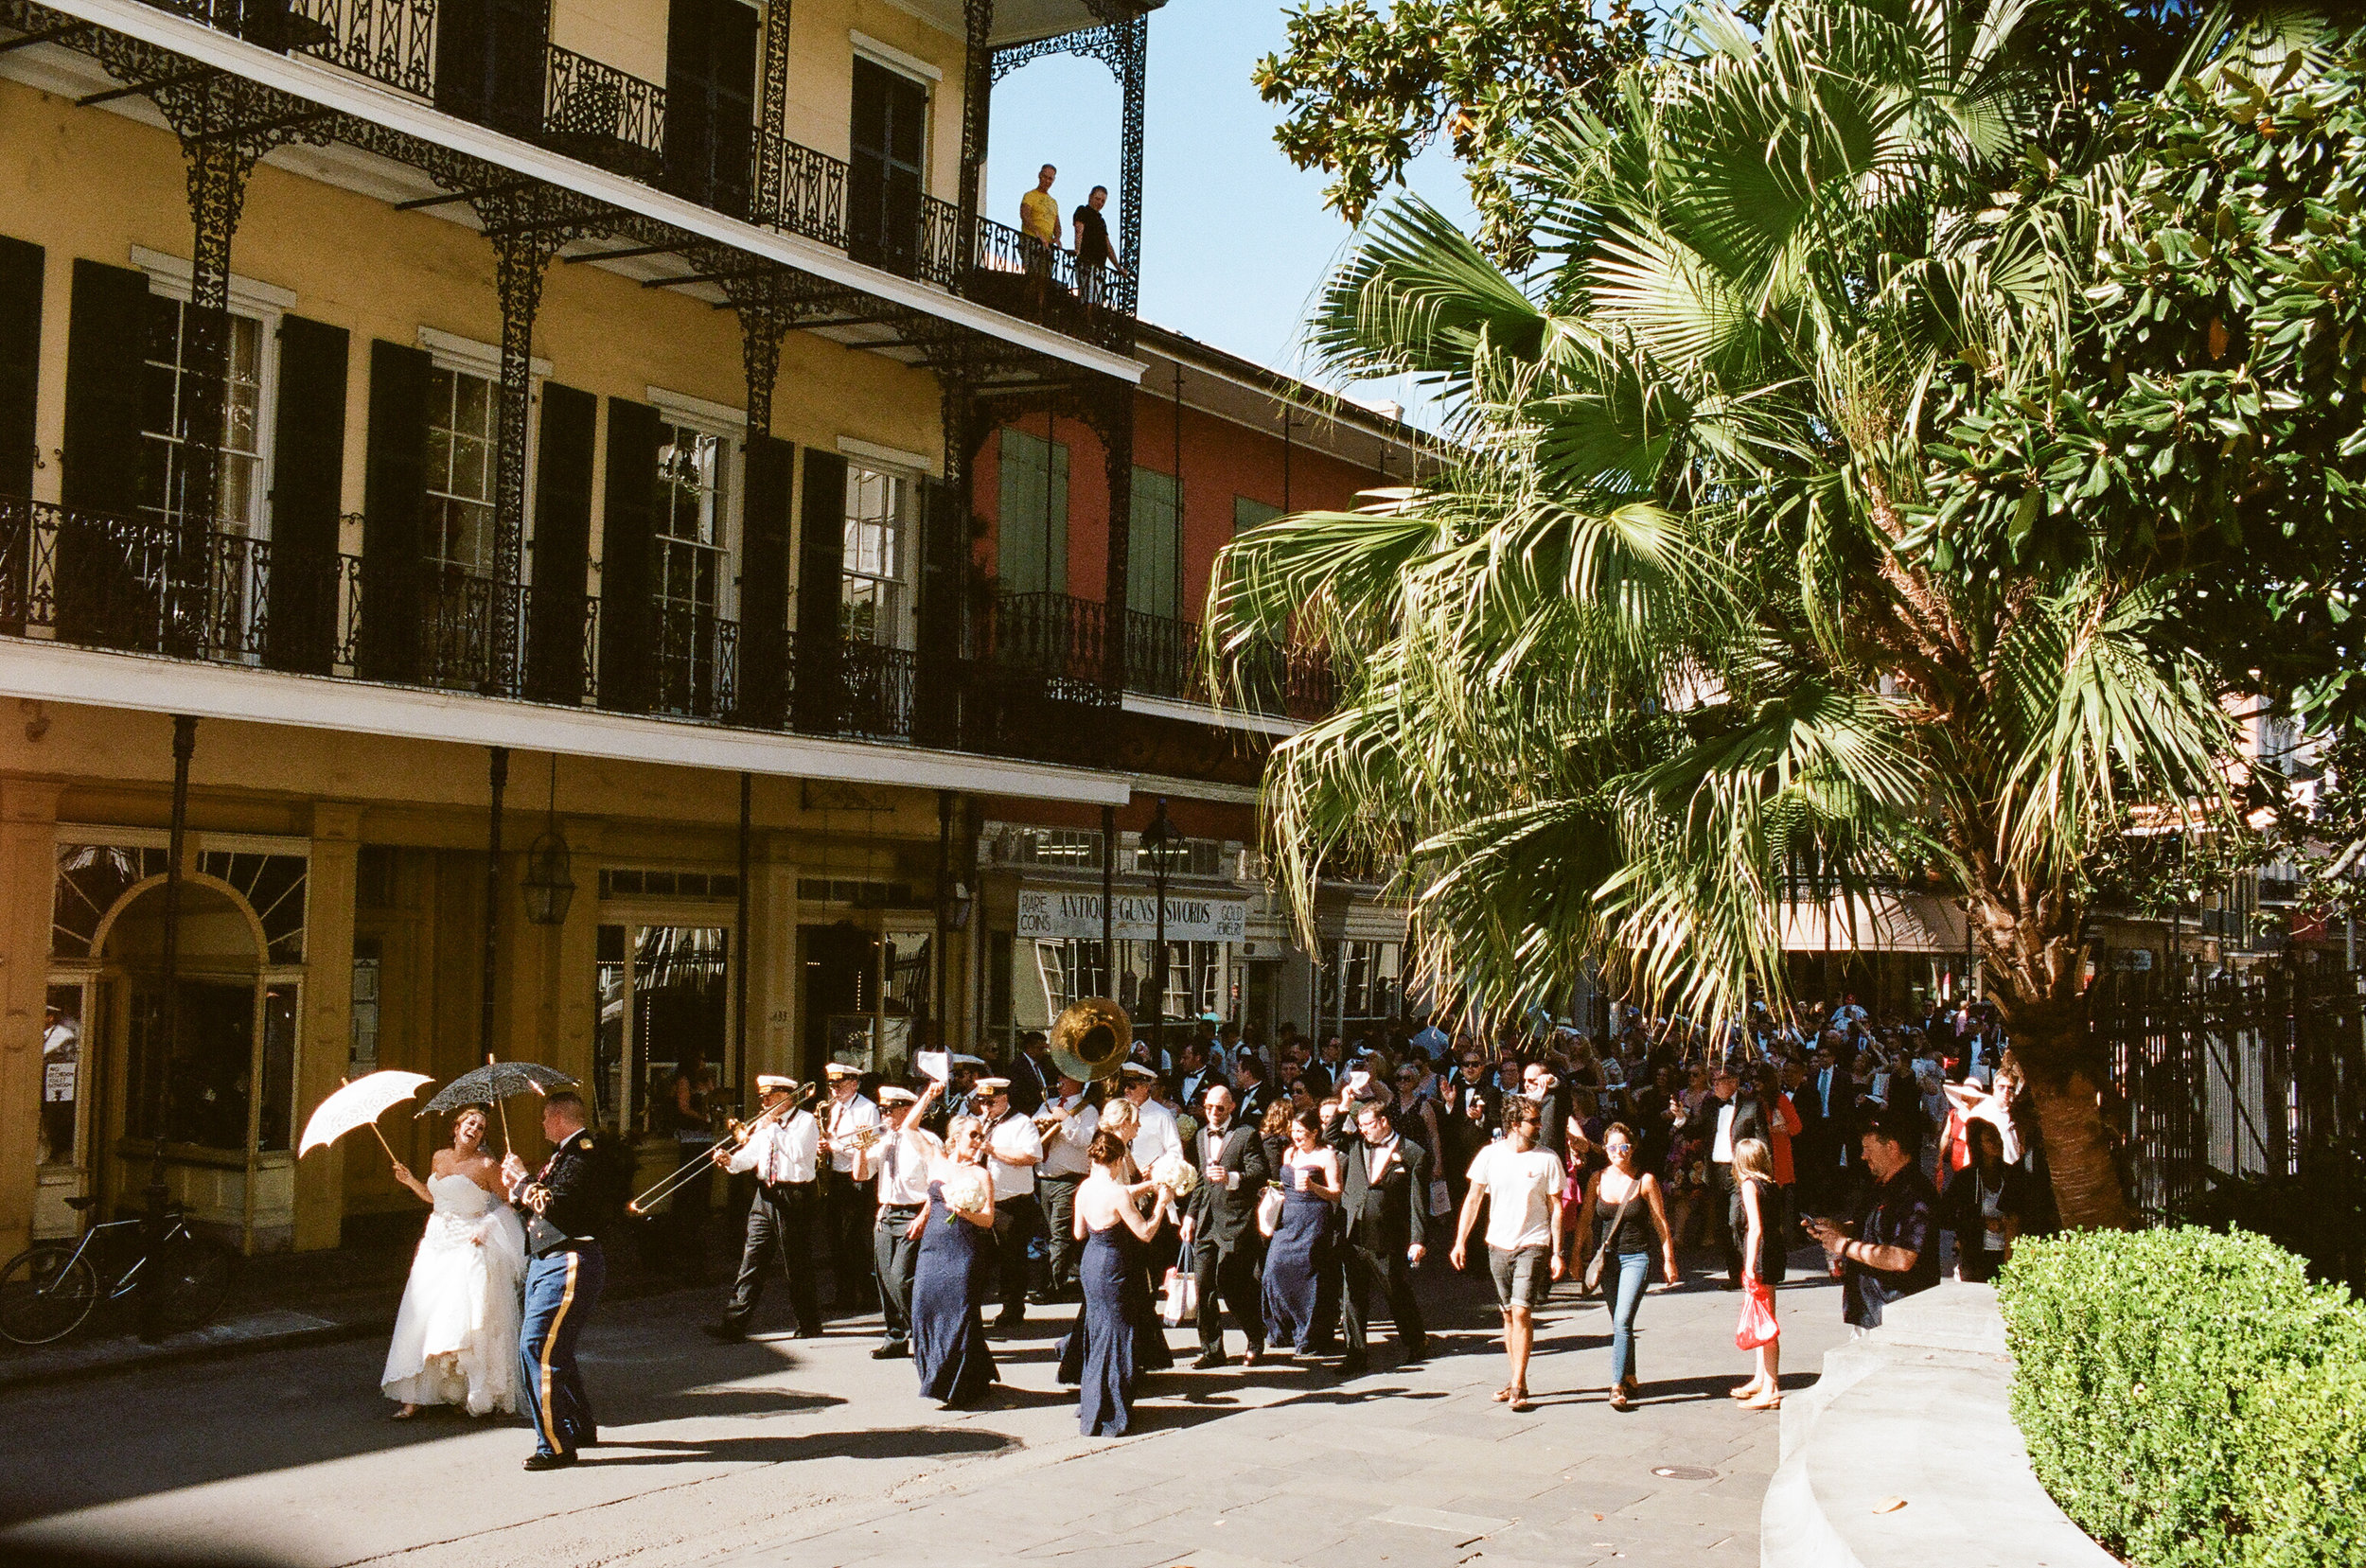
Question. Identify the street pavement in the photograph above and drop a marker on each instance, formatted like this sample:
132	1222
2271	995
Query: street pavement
806	1454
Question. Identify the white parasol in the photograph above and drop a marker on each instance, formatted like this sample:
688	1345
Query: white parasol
360	1103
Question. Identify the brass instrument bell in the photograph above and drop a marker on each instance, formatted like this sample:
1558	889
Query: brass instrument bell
1090	1039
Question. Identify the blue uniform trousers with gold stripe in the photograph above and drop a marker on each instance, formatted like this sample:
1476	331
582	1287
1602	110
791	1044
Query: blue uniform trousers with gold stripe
561	1289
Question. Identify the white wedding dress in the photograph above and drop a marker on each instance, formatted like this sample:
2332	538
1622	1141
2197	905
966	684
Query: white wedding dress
456	1335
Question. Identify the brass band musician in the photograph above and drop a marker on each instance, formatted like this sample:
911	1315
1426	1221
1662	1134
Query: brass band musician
782	1147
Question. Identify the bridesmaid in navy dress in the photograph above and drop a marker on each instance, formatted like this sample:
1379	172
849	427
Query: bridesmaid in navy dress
1294	1258
1101	1355
951	1277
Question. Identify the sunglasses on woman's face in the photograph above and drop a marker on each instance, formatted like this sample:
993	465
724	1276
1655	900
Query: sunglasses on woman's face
1617	1148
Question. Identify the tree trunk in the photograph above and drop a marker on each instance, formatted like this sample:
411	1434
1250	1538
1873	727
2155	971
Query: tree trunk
2030	941
2086	1190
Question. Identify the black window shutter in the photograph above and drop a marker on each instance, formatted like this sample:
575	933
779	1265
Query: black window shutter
710	101
944	554
307	496
105	365
522	37
764	682
464	57
628	570
820	564
735	58
99	597
562	545
393	507
20	362
20	368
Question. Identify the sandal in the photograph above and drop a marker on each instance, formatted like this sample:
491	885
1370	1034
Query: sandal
407	1413
1618	1399
1764	1401
1520	1404
1743	1390
1503	1395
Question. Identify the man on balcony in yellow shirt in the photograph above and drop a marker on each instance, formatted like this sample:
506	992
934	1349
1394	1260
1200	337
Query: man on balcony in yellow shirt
1040	229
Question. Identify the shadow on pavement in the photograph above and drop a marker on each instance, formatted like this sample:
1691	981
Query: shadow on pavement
924	1442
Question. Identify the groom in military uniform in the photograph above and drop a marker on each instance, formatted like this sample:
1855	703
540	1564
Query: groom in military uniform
565	1204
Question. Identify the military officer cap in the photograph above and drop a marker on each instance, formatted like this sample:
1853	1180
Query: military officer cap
993	1085
767	1082
839	1069
1135	1070
894	1096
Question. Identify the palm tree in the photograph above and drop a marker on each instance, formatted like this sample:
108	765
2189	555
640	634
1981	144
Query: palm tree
1693	625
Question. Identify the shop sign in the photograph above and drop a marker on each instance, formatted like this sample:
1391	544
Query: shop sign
1060	915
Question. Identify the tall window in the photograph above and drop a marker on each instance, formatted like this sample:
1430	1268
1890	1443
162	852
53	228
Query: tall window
237	502
884	177
460	466
875	587
1033	518
693	476
1154	548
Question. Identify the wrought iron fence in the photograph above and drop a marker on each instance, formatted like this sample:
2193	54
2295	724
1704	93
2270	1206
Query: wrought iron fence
2260	1075
139	584
1163	657
799	190
603	115
878	685
1055	635
391	41
696	659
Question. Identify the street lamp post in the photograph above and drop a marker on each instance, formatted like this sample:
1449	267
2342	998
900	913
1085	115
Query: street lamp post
1157	839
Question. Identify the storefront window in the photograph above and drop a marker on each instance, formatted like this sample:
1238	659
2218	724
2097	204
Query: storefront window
61	1073
1369	971
273	1130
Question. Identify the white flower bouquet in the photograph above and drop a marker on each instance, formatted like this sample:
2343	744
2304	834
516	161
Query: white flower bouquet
967	1190
1173	1172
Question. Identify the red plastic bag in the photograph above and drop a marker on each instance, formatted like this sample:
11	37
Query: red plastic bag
1758	1326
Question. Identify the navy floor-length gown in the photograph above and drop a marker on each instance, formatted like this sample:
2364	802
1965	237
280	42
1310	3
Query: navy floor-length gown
1293	1259
949	1284
1101	1355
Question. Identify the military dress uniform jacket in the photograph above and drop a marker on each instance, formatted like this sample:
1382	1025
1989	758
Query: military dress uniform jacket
578	1197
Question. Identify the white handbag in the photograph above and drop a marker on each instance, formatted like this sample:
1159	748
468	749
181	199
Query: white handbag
1179	1299
1269	1211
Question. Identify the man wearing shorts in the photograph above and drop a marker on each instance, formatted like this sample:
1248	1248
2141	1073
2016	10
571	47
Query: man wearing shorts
1520	1184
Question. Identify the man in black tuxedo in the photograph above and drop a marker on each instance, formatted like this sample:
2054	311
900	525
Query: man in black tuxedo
1220	1220
1256	1093
1386	1208
1827	1103
1032	1073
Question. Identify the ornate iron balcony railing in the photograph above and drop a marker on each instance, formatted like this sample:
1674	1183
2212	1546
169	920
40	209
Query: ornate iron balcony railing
603	115
391	41
798	190
1054	635
696	658
1163	657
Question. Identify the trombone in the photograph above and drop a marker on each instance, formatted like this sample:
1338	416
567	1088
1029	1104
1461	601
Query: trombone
735	1132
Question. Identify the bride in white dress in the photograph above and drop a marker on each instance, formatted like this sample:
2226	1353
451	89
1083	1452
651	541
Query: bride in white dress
456	1336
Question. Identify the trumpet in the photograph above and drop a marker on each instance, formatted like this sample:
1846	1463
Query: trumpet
735	1132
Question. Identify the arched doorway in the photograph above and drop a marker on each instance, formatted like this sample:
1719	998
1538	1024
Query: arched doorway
218	1083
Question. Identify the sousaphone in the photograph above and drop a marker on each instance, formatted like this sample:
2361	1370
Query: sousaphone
1090	1039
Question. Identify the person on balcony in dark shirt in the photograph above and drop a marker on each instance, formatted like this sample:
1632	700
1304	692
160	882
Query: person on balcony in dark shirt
1094	254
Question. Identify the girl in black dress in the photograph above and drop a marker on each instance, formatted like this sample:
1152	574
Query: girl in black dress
1101	1355
955	1269
1761	1260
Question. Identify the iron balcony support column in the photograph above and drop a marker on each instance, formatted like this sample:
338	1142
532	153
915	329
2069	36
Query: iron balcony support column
772	112
528	227
742	956
976	94
163	1051
1134	53
939	1035
1109	406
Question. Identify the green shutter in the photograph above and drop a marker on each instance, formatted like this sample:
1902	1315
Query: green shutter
1154	562
1248	514
1031	518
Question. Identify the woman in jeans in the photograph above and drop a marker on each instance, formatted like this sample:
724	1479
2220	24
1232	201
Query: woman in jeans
1626	1200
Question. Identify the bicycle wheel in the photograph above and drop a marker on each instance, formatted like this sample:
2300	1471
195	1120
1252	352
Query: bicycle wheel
46	1292
195	1279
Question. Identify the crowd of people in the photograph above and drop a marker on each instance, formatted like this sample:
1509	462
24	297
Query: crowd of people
1286	1191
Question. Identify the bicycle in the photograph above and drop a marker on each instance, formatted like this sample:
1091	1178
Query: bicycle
50	1288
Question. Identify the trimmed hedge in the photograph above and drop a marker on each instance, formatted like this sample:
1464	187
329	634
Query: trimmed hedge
2190	1398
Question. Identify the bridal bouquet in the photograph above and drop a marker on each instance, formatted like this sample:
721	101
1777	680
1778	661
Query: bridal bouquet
967	1190
1175	1173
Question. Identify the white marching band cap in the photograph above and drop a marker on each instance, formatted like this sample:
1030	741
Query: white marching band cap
891	1095
839	1069
766	1080
962	1059
992	1084
1134	1069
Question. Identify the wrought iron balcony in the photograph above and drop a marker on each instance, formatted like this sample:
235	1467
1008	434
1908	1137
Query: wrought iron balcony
697	664
1163	657
798	190
391	41
603	115
1057	636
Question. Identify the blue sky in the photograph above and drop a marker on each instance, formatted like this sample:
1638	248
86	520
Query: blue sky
1235	241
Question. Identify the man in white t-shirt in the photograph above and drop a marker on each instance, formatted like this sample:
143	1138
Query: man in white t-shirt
1520	1184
